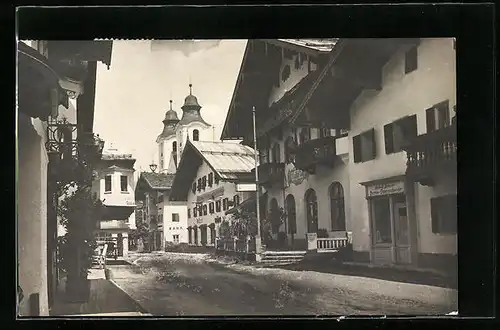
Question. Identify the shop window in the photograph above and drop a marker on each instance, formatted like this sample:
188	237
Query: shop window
437	117
364	146
211	207
124	183
210	179
399	133
444	214
337	207
217	206
381	213
205	209
411	60
107	184
175	238
175	217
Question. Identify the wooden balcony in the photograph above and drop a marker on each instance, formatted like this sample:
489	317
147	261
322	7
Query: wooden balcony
271	174
430	153
314	152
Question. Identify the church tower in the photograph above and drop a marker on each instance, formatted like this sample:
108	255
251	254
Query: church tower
167	142
192	126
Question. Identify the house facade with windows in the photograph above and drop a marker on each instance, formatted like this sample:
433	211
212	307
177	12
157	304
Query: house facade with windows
115	186
209	179
402	138
152	192
303	167
177	131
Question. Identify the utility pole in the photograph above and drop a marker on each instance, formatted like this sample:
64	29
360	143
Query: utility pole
258	240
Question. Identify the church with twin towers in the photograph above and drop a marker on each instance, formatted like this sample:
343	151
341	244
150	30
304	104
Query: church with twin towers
177	131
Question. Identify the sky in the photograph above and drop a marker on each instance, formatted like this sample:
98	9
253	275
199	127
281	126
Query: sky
133	95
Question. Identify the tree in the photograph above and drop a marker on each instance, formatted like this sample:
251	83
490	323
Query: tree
141	233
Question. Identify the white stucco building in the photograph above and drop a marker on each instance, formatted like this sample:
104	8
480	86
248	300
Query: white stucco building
115	186
208	180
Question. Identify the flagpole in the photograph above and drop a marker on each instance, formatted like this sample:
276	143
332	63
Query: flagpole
258	240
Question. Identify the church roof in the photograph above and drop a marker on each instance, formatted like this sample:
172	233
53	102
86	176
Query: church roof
169	123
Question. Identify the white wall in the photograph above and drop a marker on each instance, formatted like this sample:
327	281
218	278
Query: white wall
32	218
205	134
229	193
116	196
171	228
434	81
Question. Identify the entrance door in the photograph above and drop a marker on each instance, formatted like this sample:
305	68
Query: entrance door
402	234
203	235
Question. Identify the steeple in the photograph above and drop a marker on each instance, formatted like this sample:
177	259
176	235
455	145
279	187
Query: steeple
169	122
191	109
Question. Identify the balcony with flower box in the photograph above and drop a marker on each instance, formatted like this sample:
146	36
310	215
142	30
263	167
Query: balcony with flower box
321	151
432	153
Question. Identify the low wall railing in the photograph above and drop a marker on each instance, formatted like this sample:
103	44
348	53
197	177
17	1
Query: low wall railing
241	245
331	244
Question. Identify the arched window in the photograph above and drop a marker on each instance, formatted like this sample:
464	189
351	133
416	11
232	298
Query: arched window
174	146
291	215
276	153
274	214
311	211
337	209
196	135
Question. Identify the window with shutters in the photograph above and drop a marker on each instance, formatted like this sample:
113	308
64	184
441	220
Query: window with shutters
199	184
107	184
364	146
204	182
438	116
399	133
324	132
217	206
444	214
124	183
216	179
205	211
411	60
210	179
195	212
211	207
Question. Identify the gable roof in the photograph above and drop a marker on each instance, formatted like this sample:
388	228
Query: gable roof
157	181
228	161
314	47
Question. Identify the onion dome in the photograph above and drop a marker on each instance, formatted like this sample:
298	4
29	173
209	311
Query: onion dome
169	123
191	109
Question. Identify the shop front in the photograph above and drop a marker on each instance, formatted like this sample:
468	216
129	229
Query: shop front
392	224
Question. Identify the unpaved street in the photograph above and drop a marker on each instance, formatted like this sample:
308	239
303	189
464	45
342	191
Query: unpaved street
195	284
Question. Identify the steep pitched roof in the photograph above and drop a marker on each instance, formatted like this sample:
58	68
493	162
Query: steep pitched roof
157	181
229	161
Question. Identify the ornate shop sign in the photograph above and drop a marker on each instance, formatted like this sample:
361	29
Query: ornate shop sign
389	188
297	176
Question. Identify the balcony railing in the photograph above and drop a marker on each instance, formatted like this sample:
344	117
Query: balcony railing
317	151
271	173
431	151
